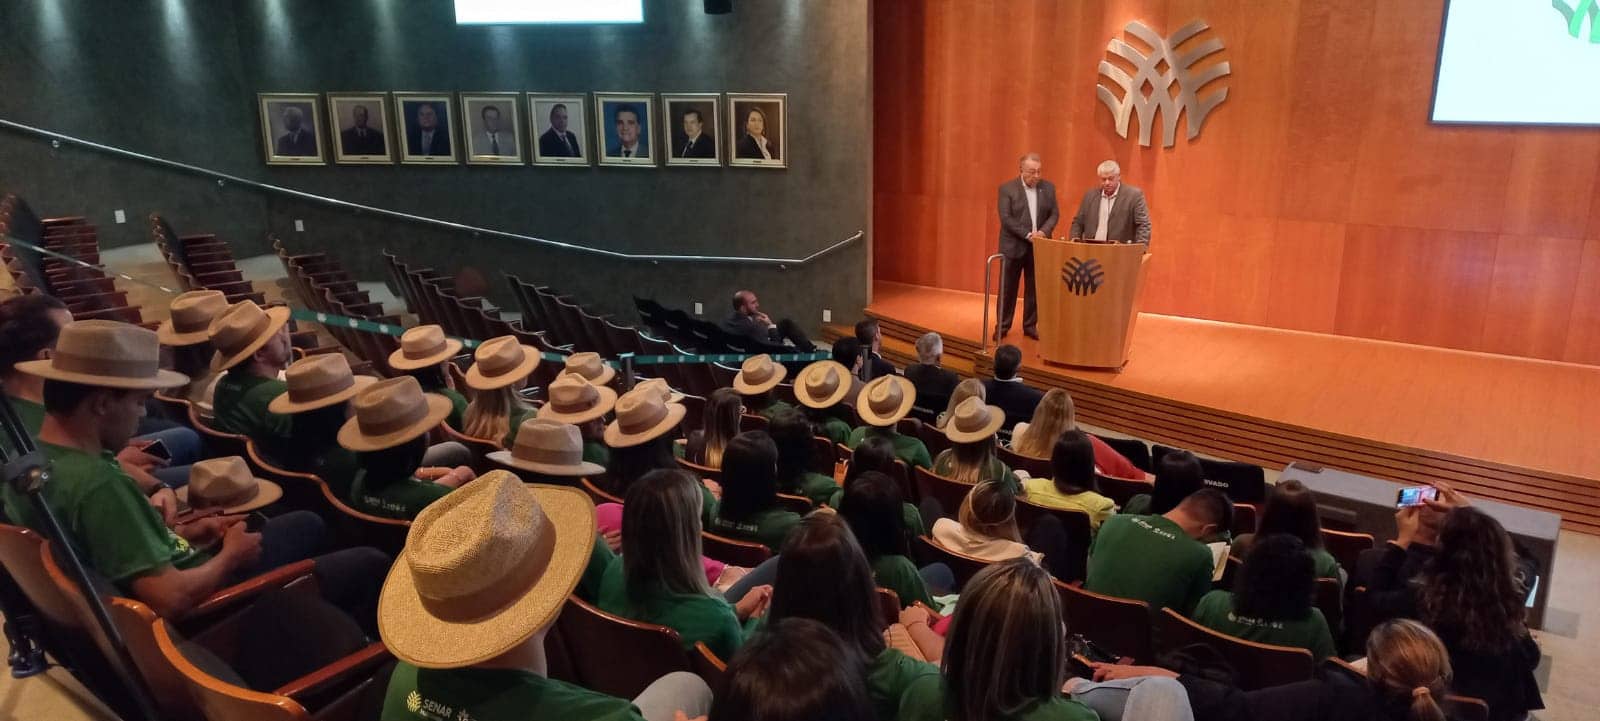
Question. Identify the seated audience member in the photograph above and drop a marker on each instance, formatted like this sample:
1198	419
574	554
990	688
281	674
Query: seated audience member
1055	416
985	527
320	388
934	383
969	388
1291	508
719	424
820	388
1007	390
1073	485
578	402
795	670
872	509
971	457
791	433
661	580
877	454
252	348
1272	600
1469	593
423	353
187	331
500	368
823	554
870	336
466	615
881	405
757	378
747	321
749	510
641	438
591	367
1160	559
389	431
548	452
847	353
1178	474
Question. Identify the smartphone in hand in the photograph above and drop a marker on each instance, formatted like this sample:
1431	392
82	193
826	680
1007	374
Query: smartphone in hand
1416	496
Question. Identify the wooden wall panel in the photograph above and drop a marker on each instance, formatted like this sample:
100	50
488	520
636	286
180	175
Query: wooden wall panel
1318	197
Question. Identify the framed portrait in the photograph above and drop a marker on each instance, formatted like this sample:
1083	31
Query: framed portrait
426	124
758	124
558	128
623	123
691	129
359	126
493	135
289	128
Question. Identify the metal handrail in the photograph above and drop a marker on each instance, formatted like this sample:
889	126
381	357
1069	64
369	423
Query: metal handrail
56	139
983	333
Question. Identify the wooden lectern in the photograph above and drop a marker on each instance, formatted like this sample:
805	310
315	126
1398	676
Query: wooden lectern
1088	300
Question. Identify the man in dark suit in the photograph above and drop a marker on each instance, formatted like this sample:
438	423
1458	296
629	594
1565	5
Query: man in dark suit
695	143
747	321
1008	391
870	336
558	142
1112	212
297	139
934	384
359	139
427	136
1028	212
631	142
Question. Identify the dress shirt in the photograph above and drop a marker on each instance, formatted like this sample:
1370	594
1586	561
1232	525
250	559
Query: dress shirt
1105	212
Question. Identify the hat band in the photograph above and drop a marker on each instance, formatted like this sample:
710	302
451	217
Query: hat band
497	593
110	367
236	342
758	376
385	423
641	422
885	405
501	365
196	324
309	393
548	456
243	494
587	402
421	353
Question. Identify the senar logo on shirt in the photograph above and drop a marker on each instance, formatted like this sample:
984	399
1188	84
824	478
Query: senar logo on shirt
433	710
1162	532
1255	622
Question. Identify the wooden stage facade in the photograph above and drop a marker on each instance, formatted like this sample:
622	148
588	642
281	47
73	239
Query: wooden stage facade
1513	429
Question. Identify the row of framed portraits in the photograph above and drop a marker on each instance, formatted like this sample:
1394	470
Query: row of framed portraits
376	128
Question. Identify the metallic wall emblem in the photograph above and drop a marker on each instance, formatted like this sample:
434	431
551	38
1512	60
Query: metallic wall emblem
1149	89
1083	277
1575	15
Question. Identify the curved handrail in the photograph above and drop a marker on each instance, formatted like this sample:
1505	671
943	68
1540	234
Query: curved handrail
223	178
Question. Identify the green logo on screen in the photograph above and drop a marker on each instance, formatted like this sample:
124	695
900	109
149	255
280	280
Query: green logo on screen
1575	16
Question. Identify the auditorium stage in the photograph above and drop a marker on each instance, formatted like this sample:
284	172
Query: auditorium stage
1513	429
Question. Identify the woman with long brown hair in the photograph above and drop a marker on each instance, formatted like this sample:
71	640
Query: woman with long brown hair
720	424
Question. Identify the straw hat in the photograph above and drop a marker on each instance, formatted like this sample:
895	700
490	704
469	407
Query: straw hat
241	330
500	362
576	401
106	354
758	375
423	346
973	421
227	483
549	447
483	569
192	313
822	384
642	416
885	400
391	412
590	366
660	385
318	381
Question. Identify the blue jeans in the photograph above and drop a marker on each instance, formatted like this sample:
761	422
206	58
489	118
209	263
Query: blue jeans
1147	698
184	445
674	692
761	575
939	579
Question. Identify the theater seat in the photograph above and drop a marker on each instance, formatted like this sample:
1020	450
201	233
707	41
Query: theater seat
1258	665
615	656
1117	625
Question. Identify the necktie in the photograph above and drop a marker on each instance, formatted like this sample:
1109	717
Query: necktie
567	143
494	143
627	153
686	147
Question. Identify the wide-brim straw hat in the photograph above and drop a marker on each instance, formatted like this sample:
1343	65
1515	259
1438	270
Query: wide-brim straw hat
661	386
484	568
591	367
191	316
549	447
227	484
576	401
642	417
422	347
500	362
241	330
973	421
823	384
106	354
885	400
391	412
758	374
318	381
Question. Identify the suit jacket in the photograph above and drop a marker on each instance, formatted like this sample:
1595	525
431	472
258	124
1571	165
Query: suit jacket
703	147
550	145
1014	221
441	142
1129	221
303	146
480	144
641	150
1016	398
371	143
748	149
744	326
933	383
876	367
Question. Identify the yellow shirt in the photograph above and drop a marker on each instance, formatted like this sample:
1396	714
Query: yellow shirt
1043	492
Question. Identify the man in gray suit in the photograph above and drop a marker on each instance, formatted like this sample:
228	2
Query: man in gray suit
1112	212
1028	212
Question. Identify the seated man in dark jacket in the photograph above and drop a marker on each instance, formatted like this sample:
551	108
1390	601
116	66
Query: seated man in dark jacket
870	336
934	383
1008	391
747	321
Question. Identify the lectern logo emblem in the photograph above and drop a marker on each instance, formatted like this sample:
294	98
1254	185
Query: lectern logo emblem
1575	15
1083	277
1149	90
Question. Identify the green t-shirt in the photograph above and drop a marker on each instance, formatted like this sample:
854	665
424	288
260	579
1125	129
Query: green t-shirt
458	406
769	527
601	558
1325	564
493	694
1150	559
1138	505
1215	612
402	499
337	467
927	707
599	453
908	449
833	429
772	409
815	486
910	517
1043	491
240	406
895	680
32	416
996	471
702	618
897	573
116	529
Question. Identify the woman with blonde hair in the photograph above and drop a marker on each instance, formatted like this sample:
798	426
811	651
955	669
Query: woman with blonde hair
969	388
970	458
500	368
1055	416
724	410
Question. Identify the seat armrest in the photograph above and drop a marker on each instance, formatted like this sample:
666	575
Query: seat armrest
349	668
241	593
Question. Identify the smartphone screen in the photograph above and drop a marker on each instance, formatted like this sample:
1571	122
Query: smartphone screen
1416	496
158	449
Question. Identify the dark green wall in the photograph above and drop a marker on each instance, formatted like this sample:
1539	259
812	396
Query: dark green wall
177	80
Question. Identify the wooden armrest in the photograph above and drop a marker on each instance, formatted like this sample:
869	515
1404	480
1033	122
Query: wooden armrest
238	593
348	668
198	237
63	220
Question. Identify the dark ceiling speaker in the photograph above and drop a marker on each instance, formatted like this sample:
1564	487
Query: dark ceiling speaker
719	7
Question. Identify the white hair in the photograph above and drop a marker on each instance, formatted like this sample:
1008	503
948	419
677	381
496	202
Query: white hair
1109	167
1027	157
929	347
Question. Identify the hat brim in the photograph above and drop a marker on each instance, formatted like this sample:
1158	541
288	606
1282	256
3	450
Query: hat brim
162	379
829	401
997	418
267	493
421	639
617	439
607	374
745	388
908	398
608	400
276	317
476	380
282	406
168	335
399	361
352	439
583	469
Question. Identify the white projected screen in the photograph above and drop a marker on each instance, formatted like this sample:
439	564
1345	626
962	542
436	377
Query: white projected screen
1519	61
497	12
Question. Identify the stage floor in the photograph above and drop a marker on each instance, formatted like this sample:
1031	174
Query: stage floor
1518	429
